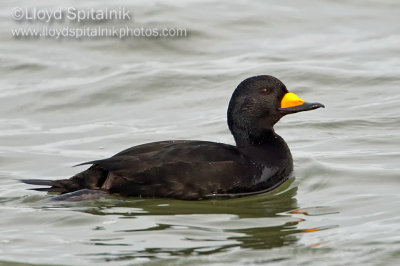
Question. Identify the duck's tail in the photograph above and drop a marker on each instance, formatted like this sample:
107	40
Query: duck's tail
51	185
54	186
38	182
92	178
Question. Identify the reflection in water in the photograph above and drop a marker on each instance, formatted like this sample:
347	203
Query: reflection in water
264	205
197	227
119	229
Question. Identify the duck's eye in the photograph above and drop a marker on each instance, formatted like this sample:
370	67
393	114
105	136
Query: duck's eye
264	91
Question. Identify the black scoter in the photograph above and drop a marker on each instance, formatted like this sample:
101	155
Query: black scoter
191	169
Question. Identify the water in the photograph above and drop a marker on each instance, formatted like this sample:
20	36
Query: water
66	101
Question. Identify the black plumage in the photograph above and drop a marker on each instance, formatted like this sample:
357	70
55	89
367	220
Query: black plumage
186	169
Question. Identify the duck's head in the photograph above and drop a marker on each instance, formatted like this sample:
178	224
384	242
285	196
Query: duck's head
257	104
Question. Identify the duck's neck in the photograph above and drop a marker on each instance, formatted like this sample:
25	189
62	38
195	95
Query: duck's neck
265	147
259	137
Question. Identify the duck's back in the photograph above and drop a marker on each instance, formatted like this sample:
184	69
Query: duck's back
178	169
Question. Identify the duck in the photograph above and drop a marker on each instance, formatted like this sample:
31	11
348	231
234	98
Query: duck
259	162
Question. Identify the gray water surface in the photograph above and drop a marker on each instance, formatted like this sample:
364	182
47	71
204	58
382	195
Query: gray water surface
67	101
